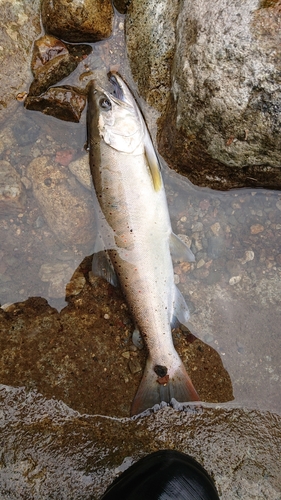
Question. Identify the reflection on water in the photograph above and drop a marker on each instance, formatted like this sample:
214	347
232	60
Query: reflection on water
233	291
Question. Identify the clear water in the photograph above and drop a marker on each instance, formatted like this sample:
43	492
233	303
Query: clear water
233	291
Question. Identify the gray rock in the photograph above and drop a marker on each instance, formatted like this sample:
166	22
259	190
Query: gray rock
66	206
150	40
225	78
26	131
20	26
12	191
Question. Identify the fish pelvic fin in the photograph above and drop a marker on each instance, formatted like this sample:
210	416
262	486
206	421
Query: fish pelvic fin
157	386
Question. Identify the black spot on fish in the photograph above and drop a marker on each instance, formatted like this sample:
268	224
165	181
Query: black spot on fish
160	370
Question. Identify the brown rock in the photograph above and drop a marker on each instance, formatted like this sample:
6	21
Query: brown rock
256	229
12	191
78	21
53	60
66	205
61	102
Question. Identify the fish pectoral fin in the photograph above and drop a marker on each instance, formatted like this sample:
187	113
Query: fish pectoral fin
179	309
179	250
101	266
153	162
154	389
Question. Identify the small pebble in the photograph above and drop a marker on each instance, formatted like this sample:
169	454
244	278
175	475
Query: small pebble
200	263
134	366
106	316
234	280
256	229
216	228
278	204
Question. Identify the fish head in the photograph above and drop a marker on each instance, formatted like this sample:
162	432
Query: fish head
117	118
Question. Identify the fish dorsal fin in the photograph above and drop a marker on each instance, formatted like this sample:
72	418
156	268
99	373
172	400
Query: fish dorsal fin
153	162
179	250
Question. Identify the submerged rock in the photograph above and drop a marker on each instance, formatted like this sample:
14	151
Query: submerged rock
53	60
65	204
78	21
12	191
62	102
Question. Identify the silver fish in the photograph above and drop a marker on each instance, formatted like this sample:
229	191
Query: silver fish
135	239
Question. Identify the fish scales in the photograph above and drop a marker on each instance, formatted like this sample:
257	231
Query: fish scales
135	235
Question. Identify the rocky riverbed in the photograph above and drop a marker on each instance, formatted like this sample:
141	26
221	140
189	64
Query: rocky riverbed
68	366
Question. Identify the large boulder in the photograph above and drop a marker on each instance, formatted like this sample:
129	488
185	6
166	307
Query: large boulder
20	26
78	20
150	40
222	122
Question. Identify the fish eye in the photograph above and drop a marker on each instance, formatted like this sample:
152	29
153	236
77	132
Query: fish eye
105	103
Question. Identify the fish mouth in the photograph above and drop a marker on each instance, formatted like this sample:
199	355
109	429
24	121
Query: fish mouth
117	88
117	94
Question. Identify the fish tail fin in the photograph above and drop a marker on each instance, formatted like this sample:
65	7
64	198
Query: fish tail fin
157	386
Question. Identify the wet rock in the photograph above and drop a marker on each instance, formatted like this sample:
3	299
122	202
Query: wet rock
256	228
62	102
19	27
216	246
197	227
12	191
53	60
233	267
213	277
78	21
26	131
81	169
234	280
216	228
232	82
82	355
65	205
278	259
78	456
249	256
150	39
134	366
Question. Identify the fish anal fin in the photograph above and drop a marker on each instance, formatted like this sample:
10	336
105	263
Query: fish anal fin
153	162
102	266
154	389
179	250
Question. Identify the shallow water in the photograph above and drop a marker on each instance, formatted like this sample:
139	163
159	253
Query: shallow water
48	450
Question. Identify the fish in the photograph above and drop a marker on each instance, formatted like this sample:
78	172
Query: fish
135	241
